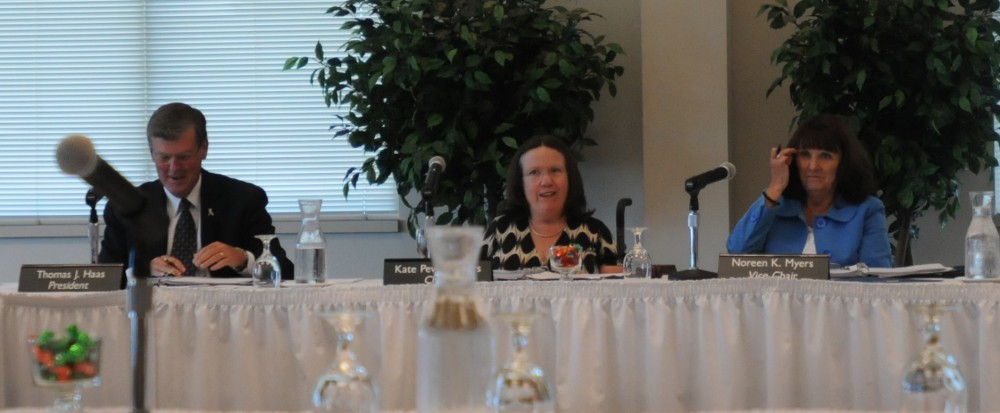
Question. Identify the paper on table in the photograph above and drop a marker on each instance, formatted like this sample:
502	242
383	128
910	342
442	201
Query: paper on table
861	269
202	281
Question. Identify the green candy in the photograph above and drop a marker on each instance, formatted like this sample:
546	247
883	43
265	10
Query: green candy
75	353
45	338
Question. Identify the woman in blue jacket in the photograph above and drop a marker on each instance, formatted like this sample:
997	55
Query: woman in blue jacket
820	201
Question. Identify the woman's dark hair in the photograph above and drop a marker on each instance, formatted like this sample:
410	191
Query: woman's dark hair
516	205
855	175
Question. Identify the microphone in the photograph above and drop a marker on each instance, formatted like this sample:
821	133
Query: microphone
697	182
436	165
92	198
76	156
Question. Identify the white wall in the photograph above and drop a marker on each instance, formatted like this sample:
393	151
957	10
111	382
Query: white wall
686	125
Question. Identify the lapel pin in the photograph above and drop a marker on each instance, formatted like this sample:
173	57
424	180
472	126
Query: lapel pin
211	213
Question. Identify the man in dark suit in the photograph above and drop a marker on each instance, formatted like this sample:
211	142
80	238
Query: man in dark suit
212	219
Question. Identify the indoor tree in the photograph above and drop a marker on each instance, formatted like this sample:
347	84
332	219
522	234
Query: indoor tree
917	77
465	80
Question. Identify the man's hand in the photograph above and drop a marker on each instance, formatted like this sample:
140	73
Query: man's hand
166	265
217	255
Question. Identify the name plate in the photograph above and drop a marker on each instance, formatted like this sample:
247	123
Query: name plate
61	278
791	267
421	271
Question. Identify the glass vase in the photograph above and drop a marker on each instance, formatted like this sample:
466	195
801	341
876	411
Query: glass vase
982	242
310	250
455	343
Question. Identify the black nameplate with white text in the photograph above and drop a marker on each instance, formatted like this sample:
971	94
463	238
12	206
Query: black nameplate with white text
62	278
768	266
421	271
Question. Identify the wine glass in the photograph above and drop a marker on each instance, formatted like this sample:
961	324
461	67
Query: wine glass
267	269
637	263
347	386
932	382
520	385
66	370
565	259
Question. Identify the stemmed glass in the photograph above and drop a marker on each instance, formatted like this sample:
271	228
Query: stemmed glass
70	377
267	269
565	259
637	263
933	382
520	385
347	386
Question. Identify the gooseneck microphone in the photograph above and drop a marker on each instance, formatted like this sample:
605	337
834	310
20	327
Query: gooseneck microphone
76	156
697	182
436	167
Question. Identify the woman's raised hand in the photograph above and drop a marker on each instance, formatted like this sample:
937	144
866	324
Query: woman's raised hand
781	159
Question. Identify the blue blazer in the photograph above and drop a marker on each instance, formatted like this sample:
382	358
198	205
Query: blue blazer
849	233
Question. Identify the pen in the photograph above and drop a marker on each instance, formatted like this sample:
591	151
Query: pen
778	152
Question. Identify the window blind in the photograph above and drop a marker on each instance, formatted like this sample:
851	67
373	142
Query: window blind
99	68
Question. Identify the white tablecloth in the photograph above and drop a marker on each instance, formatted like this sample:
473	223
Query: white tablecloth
611	346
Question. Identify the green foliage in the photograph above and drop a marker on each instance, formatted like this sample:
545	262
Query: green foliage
466	80
919	77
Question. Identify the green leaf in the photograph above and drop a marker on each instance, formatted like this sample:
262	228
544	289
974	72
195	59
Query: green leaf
482	77
551	59
434	119
503	127
290	63
388	64
543	94
886	101
509	141
971	34
319	51
963	102
451	54
501	57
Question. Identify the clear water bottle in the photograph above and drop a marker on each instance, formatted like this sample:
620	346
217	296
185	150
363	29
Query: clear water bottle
982	243
455	357
310	250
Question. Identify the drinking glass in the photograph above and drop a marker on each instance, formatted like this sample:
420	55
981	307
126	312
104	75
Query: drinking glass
347	386
565	259
520	385
267	270
932	382
79	369
637	263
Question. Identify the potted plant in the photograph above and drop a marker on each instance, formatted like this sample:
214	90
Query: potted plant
465	80
919	78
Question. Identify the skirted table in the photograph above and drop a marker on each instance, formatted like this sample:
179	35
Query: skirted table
608	346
